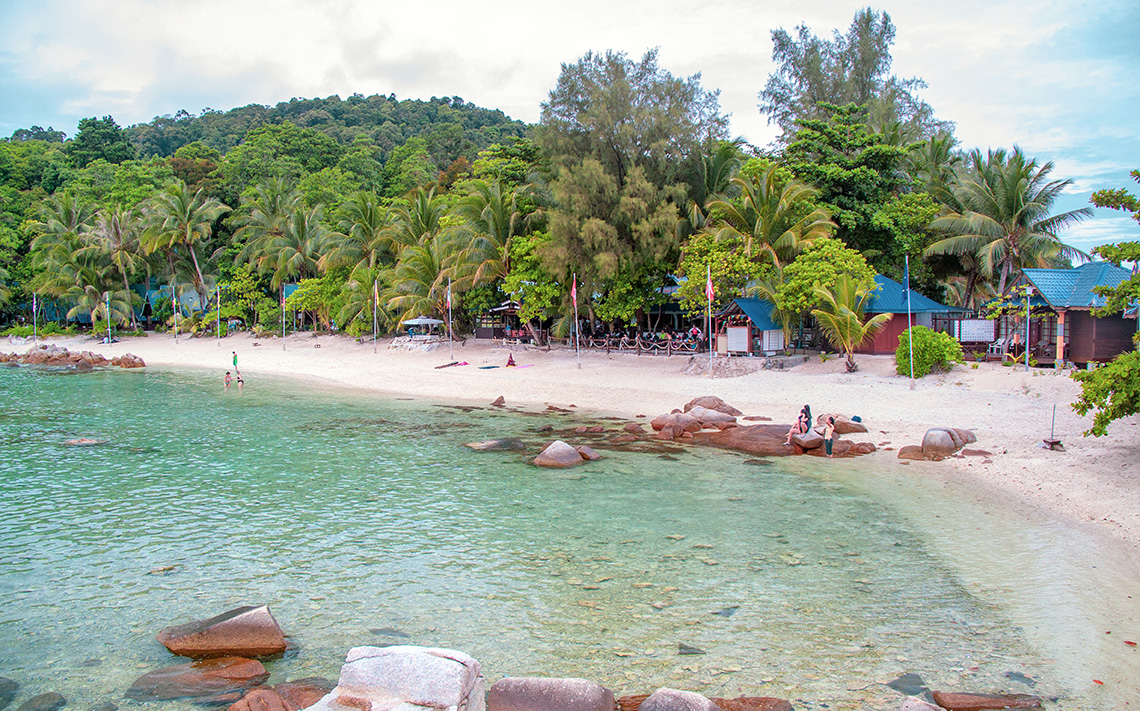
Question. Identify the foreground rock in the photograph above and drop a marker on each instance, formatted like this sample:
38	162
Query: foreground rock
406	678
249	631
938	443
541	694
206	679
287	696
49	355
843	424
980	702
559	455
8	690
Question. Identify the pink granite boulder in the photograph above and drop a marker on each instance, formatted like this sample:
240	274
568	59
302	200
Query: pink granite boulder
713	402
209	678
558	455
982	702
248	631
541	694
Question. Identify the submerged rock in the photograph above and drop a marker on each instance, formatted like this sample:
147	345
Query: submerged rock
497	445
287	696
981	702
50	701
8	689
666	699
542	694
209	678
248	631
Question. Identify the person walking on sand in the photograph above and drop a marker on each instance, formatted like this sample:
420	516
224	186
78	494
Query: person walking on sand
235	360
829	436
803	424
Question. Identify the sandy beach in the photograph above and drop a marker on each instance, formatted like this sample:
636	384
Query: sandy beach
1095	481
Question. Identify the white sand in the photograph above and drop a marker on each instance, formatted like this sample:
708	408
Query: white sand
1095	481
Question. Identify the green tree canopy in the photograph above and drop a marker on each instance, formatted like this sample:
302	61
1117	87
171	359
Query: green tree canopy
99	138
819	267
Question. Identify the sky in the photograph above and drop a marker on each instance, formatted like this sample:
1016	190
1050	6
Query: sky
1055	77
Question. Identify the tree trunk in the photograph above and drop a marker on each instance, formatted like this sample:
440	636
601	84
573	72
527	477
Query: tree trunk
534	333
852	366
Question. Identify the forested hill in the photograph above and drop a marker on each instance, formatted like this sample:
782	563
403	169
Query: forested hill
449	126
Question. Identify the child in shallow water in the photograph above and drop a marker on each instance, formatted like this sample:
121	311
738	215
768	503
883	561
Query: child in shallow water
227	380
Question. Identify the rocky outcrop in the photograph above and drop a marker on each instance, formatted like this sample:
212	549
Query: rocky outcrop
676	420
8	689
406	677
249	631
812	439
711	418
207	679
938	443
541	694
558	455
712	402
53	356
843	424
768	441
981	702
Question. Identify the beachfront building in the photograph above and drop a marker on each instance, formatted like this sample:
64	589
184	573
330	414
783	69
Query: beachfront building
891	298
746	327
1064	327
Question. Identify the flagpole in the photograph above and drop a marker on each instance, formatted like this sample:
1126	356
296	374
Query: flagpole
107	296
282	315
450	336
909	324
577	345
34	317
219	292
709	293
174	298
375	301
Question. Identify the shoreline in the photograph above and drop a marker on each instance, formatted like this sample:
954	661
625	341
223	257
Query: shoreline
1095	482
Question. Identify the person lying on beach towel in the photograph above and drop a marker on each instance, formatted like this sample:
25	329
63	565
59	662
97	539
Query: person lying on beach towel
448	365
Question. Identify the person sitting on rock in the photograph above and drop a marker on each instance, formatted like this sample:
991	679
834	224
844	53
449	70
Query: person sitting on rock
803	424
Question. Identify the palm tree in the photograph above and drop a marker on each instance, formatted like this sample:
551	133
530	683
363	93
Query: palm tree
183	220
773	218
294	253
263	219
362	294
116	237
1004	221
934	164
363	236
418	221
491	220
841	317
419	280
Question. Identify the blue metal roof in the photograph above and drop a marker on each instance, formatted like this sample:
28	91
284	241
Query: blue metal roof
760	312
890	298
1073	288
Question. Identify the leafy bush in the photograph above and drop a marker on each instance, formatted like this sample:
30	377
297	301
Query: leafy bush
1113	391
51	328
933	352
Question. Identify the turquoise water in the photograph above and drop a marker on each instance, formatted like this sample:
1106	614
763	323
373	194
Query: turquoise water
363	520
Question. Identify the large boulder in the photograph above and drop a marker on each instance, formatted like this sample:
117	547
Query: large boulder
711	418
406	678
843	424
753	703
558	455
912	452
588	453
666	699
914	703
713	402
209	678
981	702
682	421
248	631
541	694
938	444
811	439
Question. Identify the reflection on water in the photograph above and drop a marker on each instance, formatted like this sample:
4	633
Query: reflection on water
365	521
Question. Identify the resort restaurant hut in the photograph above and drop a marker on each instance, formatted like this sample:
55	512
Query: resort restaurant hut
891	298
421	327
746	327
1070	331
498	322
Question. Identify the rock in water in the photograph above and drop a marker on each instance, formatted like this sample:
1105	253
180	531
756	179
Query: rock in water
675	700
207	678
541	694
913	703
983	702
683	648
303	693
248	631
499	401
50	701
406	677
753	703
504	444
559	455
7	691
588	453
910	684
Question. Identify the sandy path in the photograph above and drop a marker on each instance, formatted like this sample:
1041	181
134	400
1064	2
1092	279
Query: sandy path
1096	481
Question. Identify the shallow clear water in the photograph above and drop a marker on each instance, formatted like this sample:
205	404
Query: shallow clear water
363	520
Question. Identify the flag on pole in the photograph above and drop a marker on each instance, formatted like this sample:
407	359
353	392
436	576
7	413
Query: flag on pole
448	294
574	290
709	292
376	291
906	274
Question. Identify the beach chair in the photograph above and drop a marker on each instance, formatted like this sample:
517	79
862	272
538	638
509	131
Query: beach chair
997	348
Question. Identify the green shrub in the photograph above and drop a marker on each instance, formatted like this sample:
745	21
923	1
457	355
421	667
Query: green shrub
933	352
51	328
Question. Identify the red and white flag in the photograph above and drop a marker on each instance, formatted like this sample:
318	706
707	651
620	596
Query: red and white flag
449	295
574	290
709	287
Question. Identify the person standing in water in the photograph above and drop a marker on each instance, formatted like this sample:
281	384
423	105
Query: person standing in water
227	380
